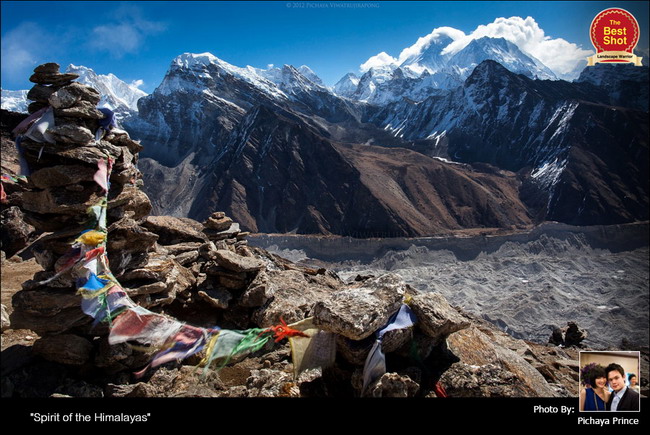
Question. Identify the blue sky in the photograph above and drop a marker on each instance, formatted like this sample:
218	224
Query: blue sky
137	40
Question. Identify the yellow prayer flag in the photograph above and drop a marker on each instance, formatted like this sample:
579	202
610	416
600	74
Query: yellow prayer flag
92	238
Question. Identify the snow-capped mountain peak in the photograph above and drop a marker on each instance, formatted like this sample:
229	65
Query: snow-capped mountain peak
430	58
14	101
346	86
425	70
205	69
502	51
117	95
190	60
311	75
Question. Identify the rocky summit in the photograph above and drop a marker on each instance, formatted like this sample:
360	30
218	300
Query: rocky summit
204	273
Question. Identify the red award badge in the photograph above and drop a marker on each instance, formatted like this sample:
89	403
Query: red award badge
614	33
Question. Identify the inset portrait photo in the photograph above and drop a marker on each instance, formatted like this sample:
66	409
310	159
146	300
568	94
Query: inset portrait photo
610	381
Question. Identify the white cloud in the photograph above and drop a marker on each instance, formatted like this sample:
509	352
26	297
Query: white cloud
23	49
424	42
378	60
561	56
125	33
558	54
137	83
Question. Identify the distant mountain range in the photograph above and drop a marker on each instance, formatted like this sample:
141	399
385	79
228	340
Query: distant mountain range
426	72
485	138
120	97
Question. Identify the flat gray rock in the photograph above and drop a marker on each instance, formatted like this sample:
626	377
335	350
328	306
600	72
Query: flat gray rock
359	312
74	134
236	263
173	230
435	316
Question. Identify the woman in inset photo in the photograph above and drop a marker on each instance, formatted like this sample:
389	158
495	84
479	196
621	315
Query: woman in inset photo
595	395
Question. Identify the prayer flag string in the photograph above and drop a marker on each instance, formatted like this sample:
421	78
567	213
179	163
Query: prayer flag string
105	300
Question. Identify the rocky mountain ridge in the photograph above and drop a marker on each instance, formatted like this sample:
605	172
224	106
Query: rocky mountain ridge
553	134
545	129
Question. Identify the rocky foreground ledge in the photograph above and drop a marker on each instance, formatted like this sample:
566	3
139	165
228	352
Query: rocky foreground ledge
206	274
446	348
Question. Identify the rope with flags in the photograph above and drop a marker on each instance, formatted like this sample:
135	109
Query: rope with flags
106	301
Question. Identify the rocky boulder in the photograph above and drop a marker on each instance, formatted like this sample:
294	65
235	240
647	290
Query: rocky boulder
237	263
65	349
16	233
172	230
70	95
570	335
357	313
487	368
436	317
393	385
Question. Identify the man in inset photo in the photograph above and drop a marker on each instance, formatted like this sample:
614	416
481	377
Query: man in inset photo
622	398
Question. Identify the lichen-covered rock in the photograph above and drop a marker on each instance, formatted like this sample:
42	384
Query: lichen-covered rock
131	203
45	301
293	298
231	232
236	263
127	235
73	134
260	291
114	358
47	68
186	258
53	78
216	297
393	385
465	380
208	251
72	94
435	316
160	280
267	382
122	139
86	154
82	109
184	381
40	93
475	348
61	200
172	230
357	313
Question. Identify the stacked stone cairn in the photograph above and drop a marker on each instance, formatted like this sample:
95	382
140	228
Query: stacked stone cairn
204	274
147	254
60	191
